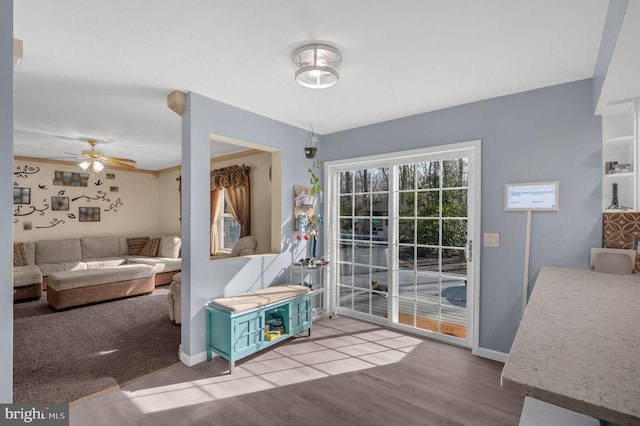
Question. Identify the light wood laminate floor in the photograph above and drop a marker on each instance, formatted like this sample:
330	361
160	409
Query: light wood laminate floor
348	372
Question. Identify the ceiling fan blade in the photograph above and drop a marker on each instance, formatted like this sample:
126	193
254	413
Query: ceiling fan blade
126	160
57	158
118	163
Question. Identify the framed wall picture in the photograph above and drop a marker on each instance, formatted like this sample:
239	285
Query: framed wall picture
89	214
21	195
60	203
70	178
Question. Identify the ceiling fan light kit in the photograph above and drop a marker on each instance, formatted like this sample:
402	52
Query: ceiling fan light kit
96	160
317	66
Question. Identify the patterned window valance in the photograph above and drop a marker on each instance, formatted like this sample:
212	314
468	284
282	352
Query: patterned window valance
237	176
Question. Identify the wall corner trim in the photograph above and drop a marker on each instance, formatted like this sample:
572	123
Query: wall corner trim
491	354
191	360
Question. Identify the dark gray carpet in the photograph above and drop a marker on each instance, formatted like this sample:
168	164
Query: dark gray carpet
62	356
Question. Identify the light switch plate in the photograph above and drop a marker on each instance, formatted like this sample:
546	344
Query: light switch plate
491	239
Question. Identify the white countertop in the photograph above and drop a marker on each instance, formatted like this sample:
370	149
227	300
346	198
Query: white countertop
578	345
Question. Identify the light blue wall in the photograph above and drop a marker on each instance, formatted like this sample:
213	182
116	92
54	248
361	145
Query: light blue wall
204	280
6	200
542	135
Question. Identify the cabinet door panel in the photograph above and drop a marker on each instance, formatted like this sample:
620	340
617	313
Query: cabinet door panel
247	334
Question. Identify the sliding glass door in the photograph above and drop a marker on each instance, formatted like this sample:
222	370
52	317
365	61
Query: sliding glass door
403	229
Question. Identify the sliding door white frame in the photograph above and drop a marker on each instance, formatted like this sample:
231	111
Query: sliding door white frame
331	242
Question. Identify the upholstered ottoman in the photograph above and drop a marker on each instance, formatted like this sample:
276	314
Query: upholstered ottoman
27	282
174	297
74	288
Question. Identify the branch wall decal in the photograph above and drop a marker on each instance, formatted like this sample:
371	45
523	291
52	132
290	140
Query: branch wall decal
24	172
18	210
53	223
101	196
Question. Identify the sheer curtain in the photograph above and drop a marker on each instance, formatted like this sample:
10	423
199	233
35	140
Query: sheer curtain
216	199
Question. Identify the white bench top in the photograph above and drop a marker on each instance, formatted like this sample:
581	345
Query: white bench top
262	297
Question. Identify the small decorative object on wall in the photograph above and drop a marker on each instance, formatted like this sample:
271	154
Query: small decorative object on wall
114	189
111	176
43	186
71	215
21	195
26	225
60	203
70	178
24	172
302	208
89	214
98	182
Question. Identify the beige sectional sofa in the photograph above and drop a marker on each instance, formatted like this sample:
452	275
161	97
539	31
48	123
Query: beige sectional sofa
27	277
95	253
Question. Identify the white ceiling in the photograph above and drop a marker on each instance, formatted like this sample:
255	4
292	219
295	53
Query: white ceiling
103	69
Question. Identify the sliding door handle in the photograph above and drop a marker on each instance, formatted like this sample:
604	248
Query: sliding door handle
468	250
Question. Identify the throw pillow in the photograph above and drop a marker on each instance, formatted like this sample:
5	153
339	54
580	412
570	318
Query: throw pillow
19	256
136	244
150	248
244	246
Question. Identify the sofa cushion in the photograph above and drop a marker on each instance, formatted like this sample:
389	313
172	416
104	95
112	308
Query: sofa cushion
19	255
50	268
99	247
30	251
262	297
136	244
54	251
67	280
105	262
162	264
150	248
27	275
169	247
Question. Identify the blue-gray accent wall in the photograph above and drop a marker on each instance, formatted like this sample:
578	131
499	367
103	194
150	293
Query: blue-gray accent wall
548	134
6	200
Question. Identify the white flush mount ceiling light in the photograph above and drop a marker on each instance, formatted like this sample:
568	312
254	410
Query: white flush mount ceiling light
317	65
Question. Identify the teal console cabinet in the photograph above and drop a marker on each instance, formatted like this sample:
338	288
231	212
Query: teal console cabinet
243	325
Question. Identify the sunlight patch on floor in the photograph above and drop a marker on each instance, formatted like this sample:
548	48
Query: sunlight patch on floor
329	351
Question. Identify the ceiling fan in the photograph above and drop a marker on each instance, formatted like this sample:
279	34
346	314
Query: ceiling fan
96	160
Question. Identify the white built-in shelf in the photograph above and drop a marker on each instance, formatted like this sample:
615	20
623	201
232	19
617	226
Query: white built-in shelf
629	138
620	146
617	175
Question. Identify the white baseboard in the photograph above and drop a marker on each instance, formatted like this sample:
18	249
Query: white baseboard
192	360
491	354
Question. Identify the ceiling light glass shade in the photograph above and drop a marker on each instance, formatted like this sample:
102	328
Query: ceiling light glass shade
317	65
84	165
97	166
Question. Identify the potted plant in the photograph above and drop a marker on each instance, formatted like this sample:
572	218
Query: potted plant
314	179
